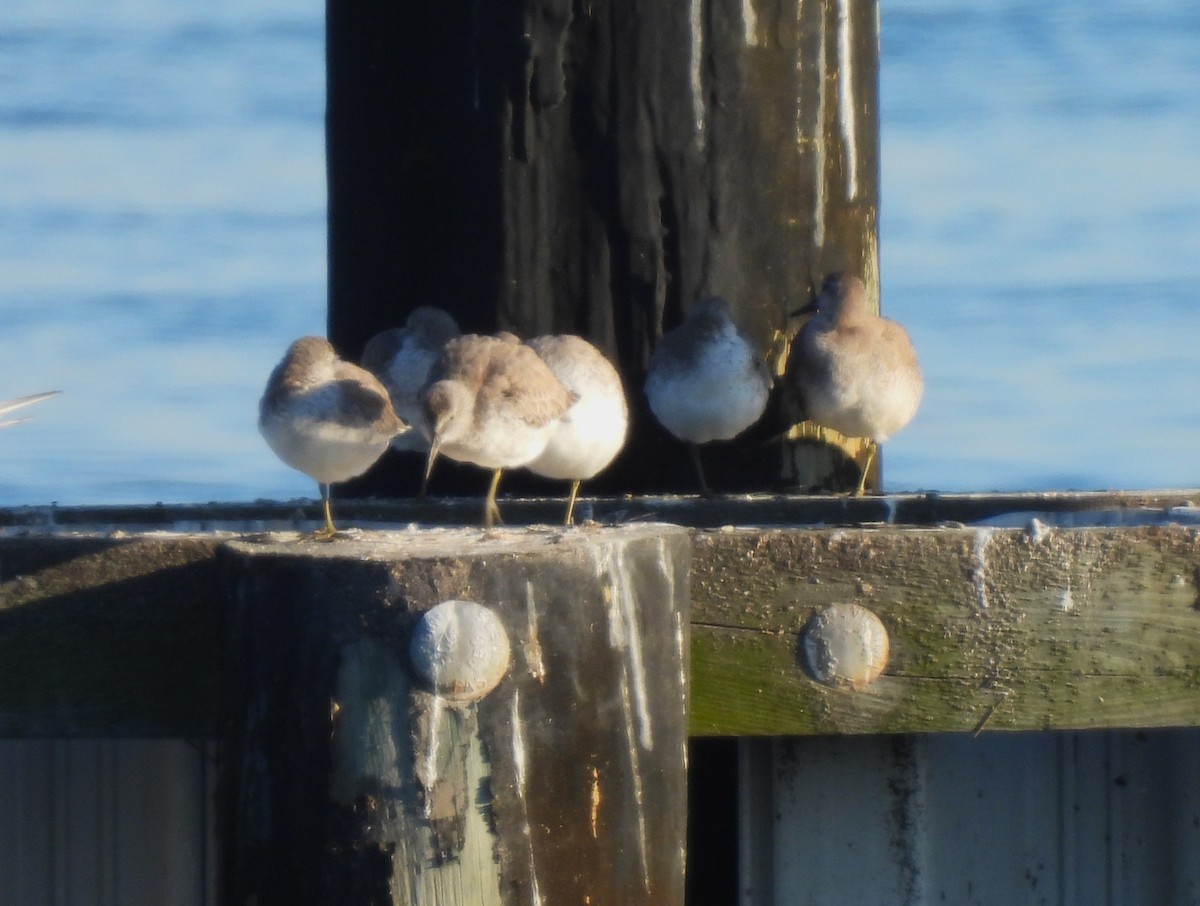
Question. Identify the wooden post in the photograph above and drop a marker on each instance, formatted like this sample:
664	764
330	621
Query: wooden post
543	166
352	777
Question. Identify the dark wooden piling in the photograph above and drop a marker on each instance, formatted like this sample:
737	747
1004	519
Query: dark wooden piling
348	779
595	168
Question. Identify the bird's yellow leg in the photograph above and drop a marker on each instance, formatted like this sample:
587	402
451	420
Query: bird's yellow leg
326	533
862	481
571	503
491	512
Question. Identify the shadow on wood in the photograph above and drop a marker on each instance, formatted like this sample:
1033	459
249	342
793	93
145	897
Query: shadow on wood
109	637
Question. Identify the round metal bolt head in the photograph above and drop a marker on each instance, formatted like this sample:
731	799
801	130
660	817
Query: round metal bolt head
846	645
461	649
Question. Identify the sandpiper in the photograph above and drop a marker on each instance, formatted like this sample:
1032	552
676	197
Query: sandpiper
492	402
706	379
401	357
326	417
7	406
854	371
589	434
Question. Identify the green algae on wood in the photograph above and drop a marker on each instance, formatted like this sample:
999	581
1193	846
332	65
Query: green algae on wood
989	628
1083	627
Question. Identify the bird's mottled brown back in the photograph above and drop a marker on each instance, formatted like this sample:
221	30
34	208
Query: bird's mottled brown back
366	400
463	359
518	376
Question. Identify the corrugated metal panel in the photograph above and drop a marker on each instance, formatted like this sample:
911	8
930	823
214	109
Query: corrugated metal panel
1057	818
1076	819
106	822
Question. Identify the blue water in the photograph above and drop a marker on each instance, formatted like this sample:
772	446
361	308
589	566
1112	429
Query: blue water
162	239
1039	235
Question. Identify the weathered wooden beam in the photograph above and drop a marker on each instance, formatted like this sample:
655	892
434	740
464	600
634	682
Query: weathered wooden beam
367	761
107	634
989	628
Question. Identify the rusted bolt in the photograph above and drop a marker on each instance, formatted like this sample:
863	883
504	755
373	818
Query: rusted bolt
845	645
461	649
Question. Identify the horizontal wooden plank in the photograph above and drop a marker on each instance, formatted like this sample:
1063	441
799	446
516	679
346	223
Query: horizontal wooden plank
989	628
111	636
117	634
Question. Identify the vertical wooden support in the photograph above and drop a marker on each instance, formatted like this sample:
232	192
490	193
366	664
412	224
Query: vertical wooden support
837	199
349	779
544	166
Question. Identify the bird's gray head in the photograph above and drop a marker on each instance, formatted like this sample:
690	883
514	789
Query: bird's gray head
843	297
311	349
447	409
308	361
381	349
715	307
842	300
433	324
